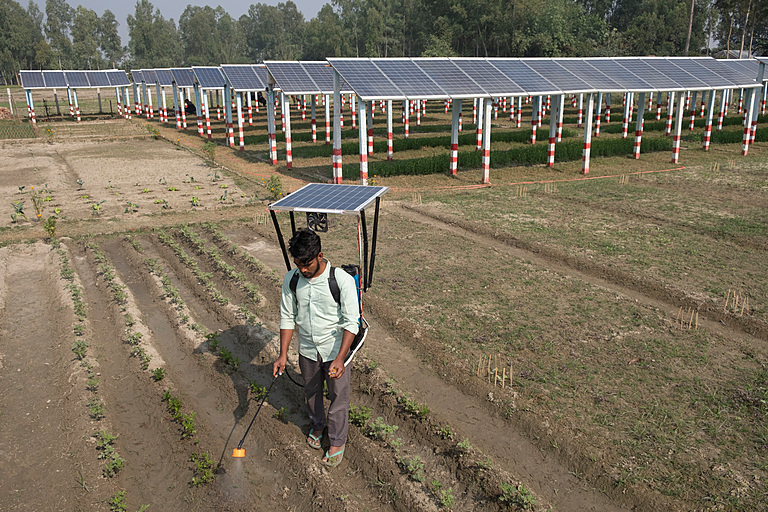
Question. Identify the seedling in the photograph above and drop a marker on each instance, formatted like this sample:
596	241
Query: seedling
194	200
50	226
446	498
79	347
173	189
213	343
96	407
203	470
414	466
18	211
92	384
80	184
280	414
158	374
131	207
258	391
359	415
464	446
517	495
145	191
117	503
188	425
446	432
96	207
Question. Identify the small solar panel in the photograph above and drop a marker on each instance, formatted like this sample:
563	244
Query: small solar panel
150	77
452	80
686	80
621	75
732	75
709	77
98	78
490	77
322	74
261	74
118	78
366	79
184	77
209	77
329	198
32	79
746	67
291	77
409	78
658	80
164	77
241	78
525	76
77	79
54	79
587	72
137	76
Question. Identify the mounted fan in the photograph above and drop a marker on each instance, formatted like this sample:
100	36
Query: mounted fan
317	222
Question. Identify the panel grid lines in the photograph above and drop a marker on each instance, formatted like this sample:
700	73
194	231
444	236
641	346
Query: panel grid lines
241	78
329	198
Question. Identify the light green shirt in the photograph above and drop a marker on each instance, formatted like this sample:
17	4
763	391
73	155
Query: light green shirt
318	320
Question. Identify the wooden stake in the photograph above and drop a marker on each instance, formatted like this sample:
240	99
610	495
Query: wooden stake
677	318
690	321
697	320
495	376
489	368
503	377
726	300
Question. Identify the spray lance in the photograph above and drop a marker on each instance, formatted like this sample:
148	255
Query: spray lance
240	451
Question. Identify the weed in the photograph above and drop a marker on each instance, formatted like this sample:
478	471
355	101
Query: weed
49	226
275	187
79	347
203	470
18	211
486	464
518	495
209	151
158	374
413	466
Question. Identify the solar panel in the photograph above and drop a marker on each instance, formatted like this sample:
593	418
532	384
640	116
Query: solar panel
150	77
261	74
54	79
366	79
209	77
621	75
452	80
322	74
329	198
684	79
77	79
526	77
137	76
32	79
98	78
733	76
118	78
489	77
746	67
291	77
658	80
711	79
409	78
242	78
164	77
184	77
584	70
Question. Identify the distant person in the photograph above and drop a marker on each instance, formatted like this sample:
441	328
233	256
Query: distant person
189	107
326	329
260	98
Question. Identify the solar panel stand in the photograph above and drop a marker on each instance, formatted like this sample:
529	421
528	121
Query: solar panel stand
553	132
336	158
362	140
271	128
287	124
680	106
708	123
389	131
639	124
486	157
586	151
455	113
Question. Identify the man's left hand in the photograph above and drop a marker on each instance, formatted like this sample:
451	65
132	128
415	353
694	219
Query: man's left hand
337	369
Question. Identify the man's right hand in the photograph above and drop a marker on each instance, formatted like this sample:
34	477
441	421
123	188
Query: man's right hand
279	367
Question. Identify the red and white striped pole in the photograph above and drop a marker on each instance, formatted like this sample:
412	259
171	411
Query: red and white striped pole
540	108
77	105
765	95
474	110
271	128
364	150
229	114
670	111
598	106
126	103
288	146
679	114
406	117
313	122
284	105
447	101
418	112
585	154
303	107
692	111
369	126
218	106
748	104
479	127
741	101
573	101
460	121
207	109
553	116
241	135
495	108
249	100
519	112
703	102
560	110
486	158
327	107
534	122
389	130
580	112
352	108
721	112
625	123
149	101
31	106
658	105
710	116
728	98
184	108
455	116
639	124
337	167
512	109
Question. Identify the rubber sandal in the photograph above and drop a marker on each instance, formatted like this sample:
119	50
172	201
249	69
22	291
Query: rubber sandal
329	461
314	441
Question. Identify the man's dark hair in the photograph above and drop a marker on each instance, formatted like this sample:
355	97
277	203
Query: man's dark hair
304	245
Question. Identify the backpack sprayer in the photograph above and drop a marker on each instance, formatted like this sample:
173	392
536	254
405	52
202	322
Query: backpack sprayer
317	200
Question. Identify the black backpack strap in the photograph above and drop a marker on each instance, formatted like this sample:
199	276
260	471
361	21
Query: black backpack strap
334	286
294	282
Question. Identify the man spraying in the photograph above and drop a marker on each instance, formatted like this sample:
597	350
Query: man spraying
326	327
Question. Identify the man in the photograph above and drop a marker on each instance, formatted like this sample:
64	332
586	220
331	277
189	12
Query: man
326	330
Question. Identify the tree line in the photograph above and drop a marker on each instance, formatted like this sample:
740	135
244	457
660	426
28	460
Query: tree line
65	37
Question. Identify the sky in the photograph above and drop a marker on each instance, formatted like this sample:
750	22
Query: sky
174	8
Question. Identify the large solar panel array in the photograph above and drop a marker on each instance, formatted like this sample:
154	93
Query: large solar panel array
90	79
241	77
54	79
301	77
329	198
209	77
473	77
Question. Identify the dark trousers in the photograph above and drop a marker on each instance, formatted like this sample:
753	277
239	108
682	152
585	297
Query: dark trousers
315	373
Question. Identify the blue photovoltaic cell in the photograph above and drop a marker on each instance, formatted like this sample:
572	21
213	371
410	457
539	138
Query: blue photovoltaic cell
746	67
366	79
77	79
488	77
409	78
261	75
98	78
54	79
589	74
118	78
452	80
621	75
322	74
164	77
658	80
137	76
184	77
242	78
558	76
732	75
329	198
525	76
710	78
32	79
291	77
209	77
150	77
667	68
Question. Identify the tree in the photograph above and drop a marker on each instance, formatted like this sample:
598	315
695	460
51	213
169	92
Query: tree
210	36
19	36
324	36
273	32
109	39
58	19
85	39
154	41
